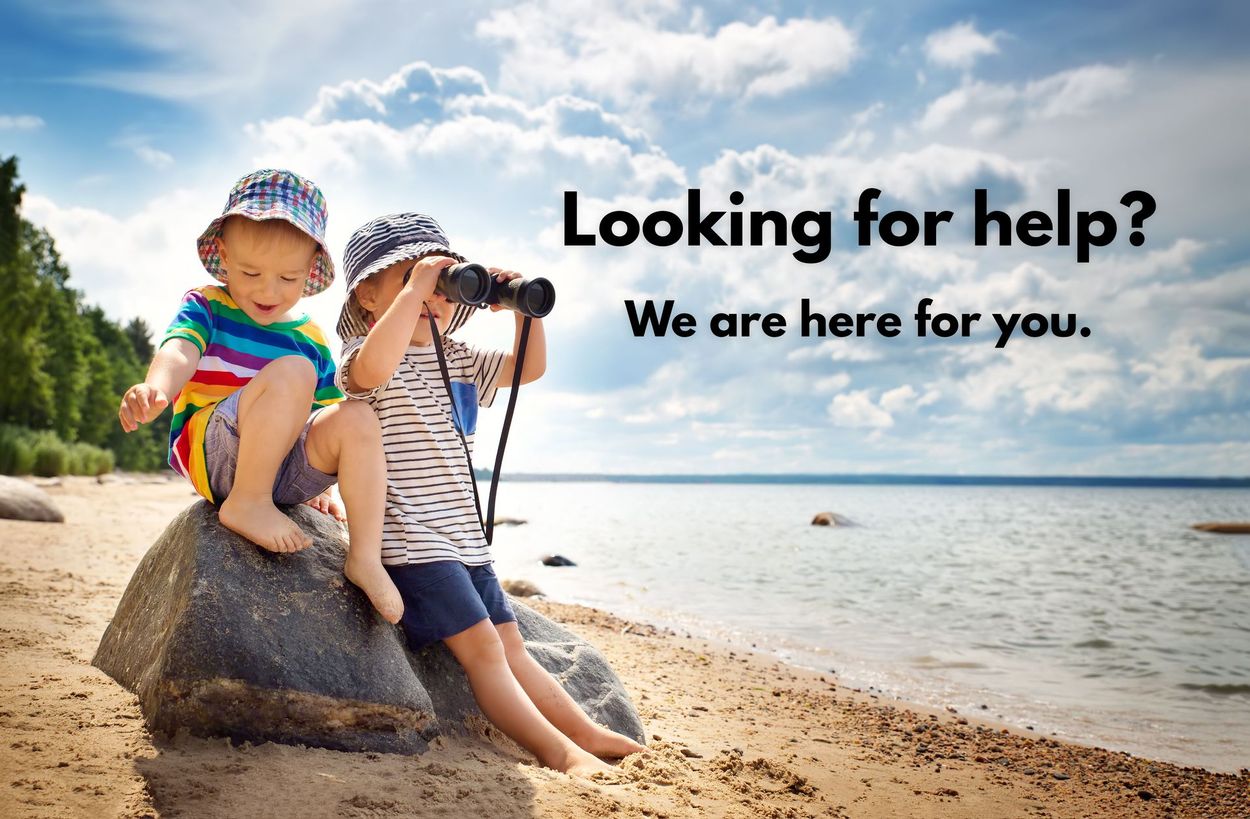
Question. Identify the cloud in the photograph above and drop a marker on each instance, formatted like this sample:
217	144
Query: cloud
642	50
426	116
156	158
857	410
990	109
960	46
20	122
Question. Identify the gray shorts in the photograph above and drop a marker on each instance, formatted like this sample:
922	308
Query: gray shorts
297	480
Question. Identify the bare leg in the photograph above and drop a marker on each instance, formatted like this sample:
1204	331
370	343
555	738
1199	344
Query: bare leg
504	702
557	706
273	408
346	439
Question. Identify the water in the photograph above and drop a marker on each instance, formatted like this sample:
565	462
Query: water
1095	614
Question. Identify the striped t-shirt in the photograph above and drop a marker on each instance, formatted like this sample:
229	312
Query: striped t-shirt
233	349
430	514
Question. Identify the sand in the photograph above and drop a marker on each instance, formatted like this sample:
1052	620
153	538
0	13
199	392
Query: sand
732	733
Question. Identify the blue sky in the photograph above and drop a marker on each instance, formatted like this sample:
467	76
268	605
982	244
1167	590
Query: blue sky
132	121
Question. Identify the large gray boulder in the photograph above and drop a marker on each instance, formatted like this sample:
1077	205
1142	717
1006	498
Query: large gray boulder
221	638
20	500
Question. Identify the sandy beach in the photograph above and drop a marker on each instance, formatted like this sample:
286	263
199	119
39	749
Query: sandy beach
732	733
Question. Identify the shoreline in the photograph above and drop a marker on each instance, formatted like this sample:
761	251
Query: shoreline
1024	724
734	733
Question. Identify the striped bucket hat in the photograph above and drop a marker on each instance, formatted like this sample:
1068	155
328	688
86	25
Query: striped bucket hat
275	194
378	245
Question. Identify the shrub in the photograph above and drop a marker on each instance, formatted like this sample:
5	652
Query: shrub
51	455
17	452
85	459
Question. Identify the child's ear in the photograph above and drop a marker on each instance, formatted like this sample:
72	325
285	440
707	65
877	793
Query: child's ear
365	295
221	251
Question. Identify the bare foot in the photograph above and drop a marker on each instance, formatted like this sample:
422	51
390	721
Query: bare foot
258	520
609	744
585	765
373	580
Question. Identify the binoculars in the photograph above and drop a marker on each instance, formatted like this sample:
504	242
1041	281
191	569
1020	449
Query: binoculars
470	283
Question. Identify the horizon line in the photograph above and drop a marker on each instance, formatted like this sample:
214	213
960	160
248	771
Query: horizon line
1161	481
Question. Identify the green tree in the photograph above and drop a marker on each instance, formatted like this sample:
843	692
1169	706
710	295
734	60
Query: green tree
26	390
66	364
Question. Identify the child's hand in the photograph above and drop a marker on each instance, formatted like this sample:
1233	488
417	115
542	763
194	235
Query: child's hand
424	274
141	404
501	276
325	504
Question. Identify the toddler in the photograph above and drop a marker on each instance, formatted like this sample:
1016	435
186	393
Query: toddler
258	420
433	544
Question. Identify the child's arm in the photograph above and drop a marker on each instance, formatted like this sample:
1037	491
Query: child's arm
535	354
388	340
535	349
172	366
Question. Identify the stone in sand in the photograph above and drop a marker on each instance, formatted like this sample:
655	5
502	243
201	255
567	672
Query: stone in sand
220	638
521	588
830	519
20	500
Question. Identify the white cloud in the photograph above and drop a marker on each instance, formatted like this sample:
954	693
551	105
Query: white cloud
991	109
156	158
857	410
634	53
960	46
832	383
20	122
421	116
898	399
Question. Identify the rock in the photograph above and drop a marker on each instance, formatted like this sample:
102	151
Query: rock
1224	528
509	522
46	483
521	588
220	638
20	500
557	560
830	519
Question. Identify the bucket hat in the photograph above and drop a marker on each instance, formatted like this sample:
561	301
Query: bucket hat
378	245
274	194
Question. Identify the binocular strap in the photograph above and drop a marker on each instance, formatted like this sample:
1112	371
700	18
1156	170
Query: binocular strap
487	523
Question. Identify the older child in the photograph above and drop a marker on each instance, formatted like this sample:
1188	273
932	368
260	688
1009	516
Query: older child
433	545
257	417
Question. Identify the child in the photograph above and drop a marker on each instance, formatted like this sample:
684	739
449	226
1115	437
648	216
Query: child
433	544
257	417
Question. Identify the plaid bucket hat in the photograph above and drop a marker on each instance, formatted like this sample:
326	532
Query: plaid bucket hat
378	245
275	194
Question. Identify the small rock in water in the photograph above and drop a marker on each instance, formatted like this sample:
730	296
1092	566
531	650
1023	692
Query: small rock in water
1224	527
509	522
830	519
521	588
557	560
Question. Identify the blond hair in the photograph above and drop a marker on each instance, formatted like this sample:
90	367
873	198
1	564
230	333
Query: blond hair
266	234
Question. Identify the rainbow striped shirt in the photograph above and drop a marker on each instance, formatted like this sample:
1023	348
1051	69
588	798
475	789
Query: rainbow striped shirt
233	349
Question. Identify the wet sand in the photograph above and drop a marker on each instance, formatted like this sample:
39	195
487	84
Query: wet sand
732	733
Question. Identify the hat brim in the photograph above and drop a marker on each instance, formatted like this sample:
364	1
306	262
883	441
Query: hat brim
354	319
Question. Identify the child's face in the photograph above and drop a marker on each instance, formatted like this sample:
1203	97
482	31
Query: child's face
266	281
379	291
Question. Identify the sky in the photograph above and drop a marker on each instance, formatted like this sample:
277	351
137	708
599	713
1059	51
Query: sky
131	121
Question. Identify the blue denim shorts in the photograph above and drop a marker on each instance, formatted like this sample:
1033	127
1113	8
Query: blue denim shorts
296	481
444	598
